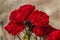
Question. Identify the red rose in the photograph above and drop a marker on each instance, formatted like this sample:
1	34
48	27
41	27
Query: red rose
37	31
55	35
27	7
43	30
13	16
14	29
39	18
21	14
17	16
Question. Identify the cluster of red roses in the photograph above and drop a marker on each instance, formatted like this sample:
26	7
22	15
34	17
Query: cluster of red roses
39	19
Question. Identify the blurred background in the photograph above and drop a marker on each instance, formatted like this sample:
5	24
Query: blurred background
51	7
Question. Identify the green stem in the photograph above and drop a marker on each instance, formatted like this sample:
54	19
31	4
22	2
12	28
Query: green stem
29	34
35	38
40	38
19	37
29	37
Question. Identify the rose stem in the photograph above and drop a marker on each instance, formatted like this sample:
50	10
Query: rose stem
19	37
36	37
26	30
40	38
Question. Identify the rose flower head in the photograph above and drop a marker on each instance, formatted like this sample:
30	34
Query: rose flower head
55	35
39	18
43	30
21	14
14	29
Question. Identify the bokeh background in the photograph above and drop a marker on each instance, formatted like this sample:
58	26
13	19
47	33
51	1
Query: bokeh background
51	7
